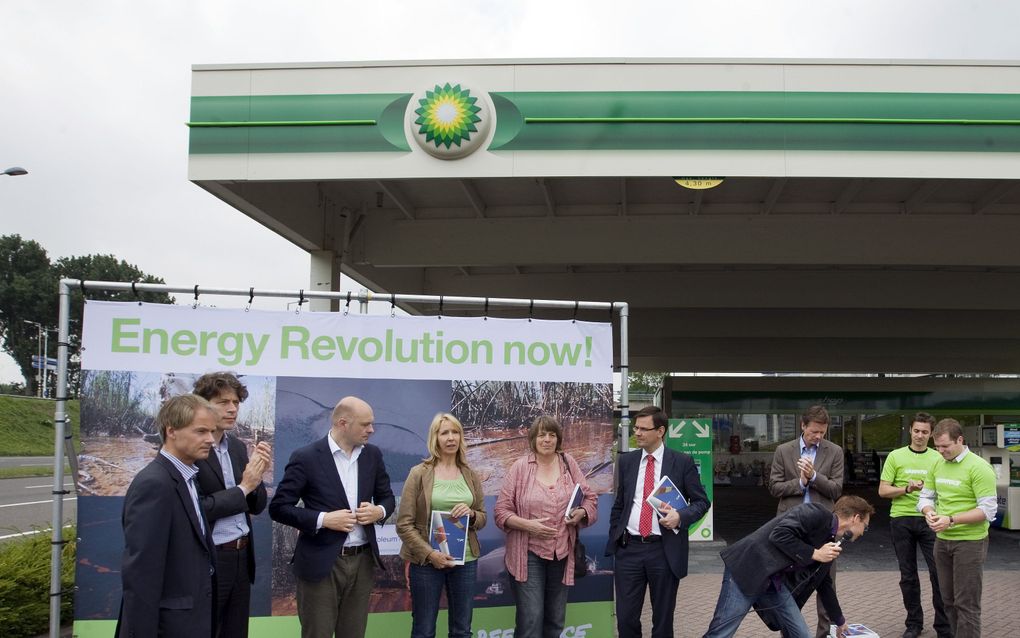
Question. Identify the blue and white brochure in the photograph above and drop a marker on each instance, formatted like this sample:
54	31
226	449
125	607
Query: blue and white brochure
666	497
448	534
575	500
857	629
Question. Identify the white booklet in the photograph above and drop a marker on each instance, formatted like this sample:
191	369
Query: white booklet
575	500
665	497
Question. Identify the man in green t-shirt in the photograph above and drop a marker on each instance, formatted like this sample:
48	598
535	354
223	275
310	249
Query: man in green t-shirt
906	471
958	505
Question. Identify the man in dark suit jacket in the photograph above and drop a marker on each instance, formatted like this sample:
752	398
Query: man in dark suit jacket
343	482
651	552
809	469
796	546
231	490
167	569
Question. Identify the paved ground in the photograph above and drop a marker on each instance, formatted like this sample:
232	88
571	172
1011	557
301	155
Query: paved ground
871	598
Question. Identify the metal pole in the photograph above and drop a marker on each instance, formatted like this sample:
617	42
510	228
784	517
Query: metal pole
59	419
38	350
45	363
624	381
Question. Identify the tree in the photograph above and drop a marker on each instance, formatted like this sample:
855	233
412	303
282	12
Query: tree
645	382
99	268
28	291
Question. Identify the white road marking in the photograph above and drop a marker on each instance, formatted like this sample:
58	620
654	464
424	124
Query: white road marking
37	531
49	500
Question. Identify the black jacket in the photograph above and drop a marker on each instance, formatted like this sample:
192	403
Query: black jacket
219	502
784	546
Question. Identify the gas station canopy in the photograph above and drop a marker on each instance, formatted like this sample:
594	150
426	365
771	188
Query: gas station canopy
866	219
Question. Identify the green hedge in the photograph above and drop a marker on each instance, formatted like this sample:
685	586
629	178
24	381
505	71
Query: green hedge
25	584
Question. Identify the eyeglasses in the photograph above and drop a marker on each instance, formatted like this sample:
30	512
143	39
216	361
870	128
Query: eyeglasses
637	429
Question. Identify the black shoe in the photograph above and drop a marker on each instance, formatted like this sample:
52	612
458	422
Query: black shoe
911	633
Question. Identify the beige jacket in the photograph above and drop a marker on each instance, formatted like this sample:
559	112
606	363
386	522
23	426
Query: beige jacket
416	508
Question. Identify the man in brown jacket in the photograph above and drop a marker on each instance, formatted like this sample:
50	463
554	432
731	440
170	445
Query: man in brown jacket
809	469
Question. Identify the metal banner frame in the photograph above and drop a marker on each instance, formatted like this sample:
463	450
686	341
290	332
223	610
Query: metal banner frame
62	435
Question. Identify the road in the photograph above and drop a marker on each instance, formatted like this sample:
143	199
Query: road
21	461
27	504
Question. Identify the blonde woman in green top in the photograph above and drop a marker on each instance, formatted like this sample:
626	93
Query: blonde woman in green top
442	482
958	506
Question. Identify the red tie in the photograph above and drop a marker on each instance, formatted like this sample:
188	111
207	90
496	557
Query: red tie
645	522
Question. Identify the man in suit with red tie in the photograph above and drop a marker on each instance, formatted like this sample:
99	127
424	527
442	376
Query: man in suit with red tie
231	492
809	469
168	564
342	480
651	552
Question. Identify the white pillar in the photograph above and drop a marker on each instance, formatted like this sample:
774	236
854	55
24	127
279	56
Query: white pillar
324	275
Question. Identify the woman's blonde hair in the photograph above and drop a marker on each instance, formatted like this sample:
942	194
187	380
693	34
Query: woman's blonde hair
433	438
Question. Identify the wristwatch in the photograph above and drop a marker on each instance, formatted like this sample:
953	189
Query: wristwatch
951	521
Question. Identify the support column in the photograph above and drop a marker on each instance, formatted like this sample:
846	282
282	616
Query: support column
324	275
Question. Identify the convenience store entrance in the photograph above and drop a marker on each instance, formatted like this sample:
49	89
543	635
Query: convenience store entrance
869	417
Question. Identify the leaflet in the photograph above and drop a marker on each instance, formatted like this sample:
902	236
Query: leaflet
857	629
448	534
666	497
575	500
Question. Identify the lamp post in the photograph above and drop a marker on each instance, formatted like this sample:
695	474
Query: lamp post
14	171
40	360
43	360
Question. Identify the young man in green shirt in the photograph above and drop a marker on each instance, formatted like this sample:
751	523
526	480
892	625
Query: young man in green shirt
905	473
958	505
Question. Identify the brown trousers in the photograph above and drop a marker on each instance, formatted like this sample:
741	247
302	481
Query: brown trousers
337	605
960	566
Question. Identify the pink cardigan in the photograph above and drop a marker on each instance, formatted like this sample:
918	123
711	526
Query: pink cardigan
511	502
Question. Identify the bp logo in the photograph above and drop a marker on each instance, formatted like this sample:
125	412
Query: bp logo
449	122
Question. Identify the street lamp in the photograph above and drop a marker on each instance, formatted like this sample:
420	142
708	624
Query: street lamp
14	171
43	341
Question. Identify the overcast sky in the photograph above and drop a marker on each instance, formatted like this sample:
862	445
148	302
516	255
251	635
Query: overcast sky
95	94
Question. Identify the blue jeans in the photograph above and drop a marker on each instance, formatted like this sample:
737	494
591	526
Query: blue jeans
541	600
733	605
427	583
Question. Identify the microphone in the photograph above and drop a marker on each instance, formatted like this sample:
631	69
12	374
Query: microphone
845	538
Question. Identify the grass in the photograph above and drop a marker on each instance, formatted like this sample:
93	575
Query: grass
26	425
25	584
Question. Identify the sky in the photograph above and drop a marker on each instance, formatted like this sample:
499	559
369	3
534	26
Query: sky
95	95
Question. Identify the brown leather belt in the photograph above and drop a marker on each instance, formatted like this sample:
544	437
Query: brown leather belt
239	544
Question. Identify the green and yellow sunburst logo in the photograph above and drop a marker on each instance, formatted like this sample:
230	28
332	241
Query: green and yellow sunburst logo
447	115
